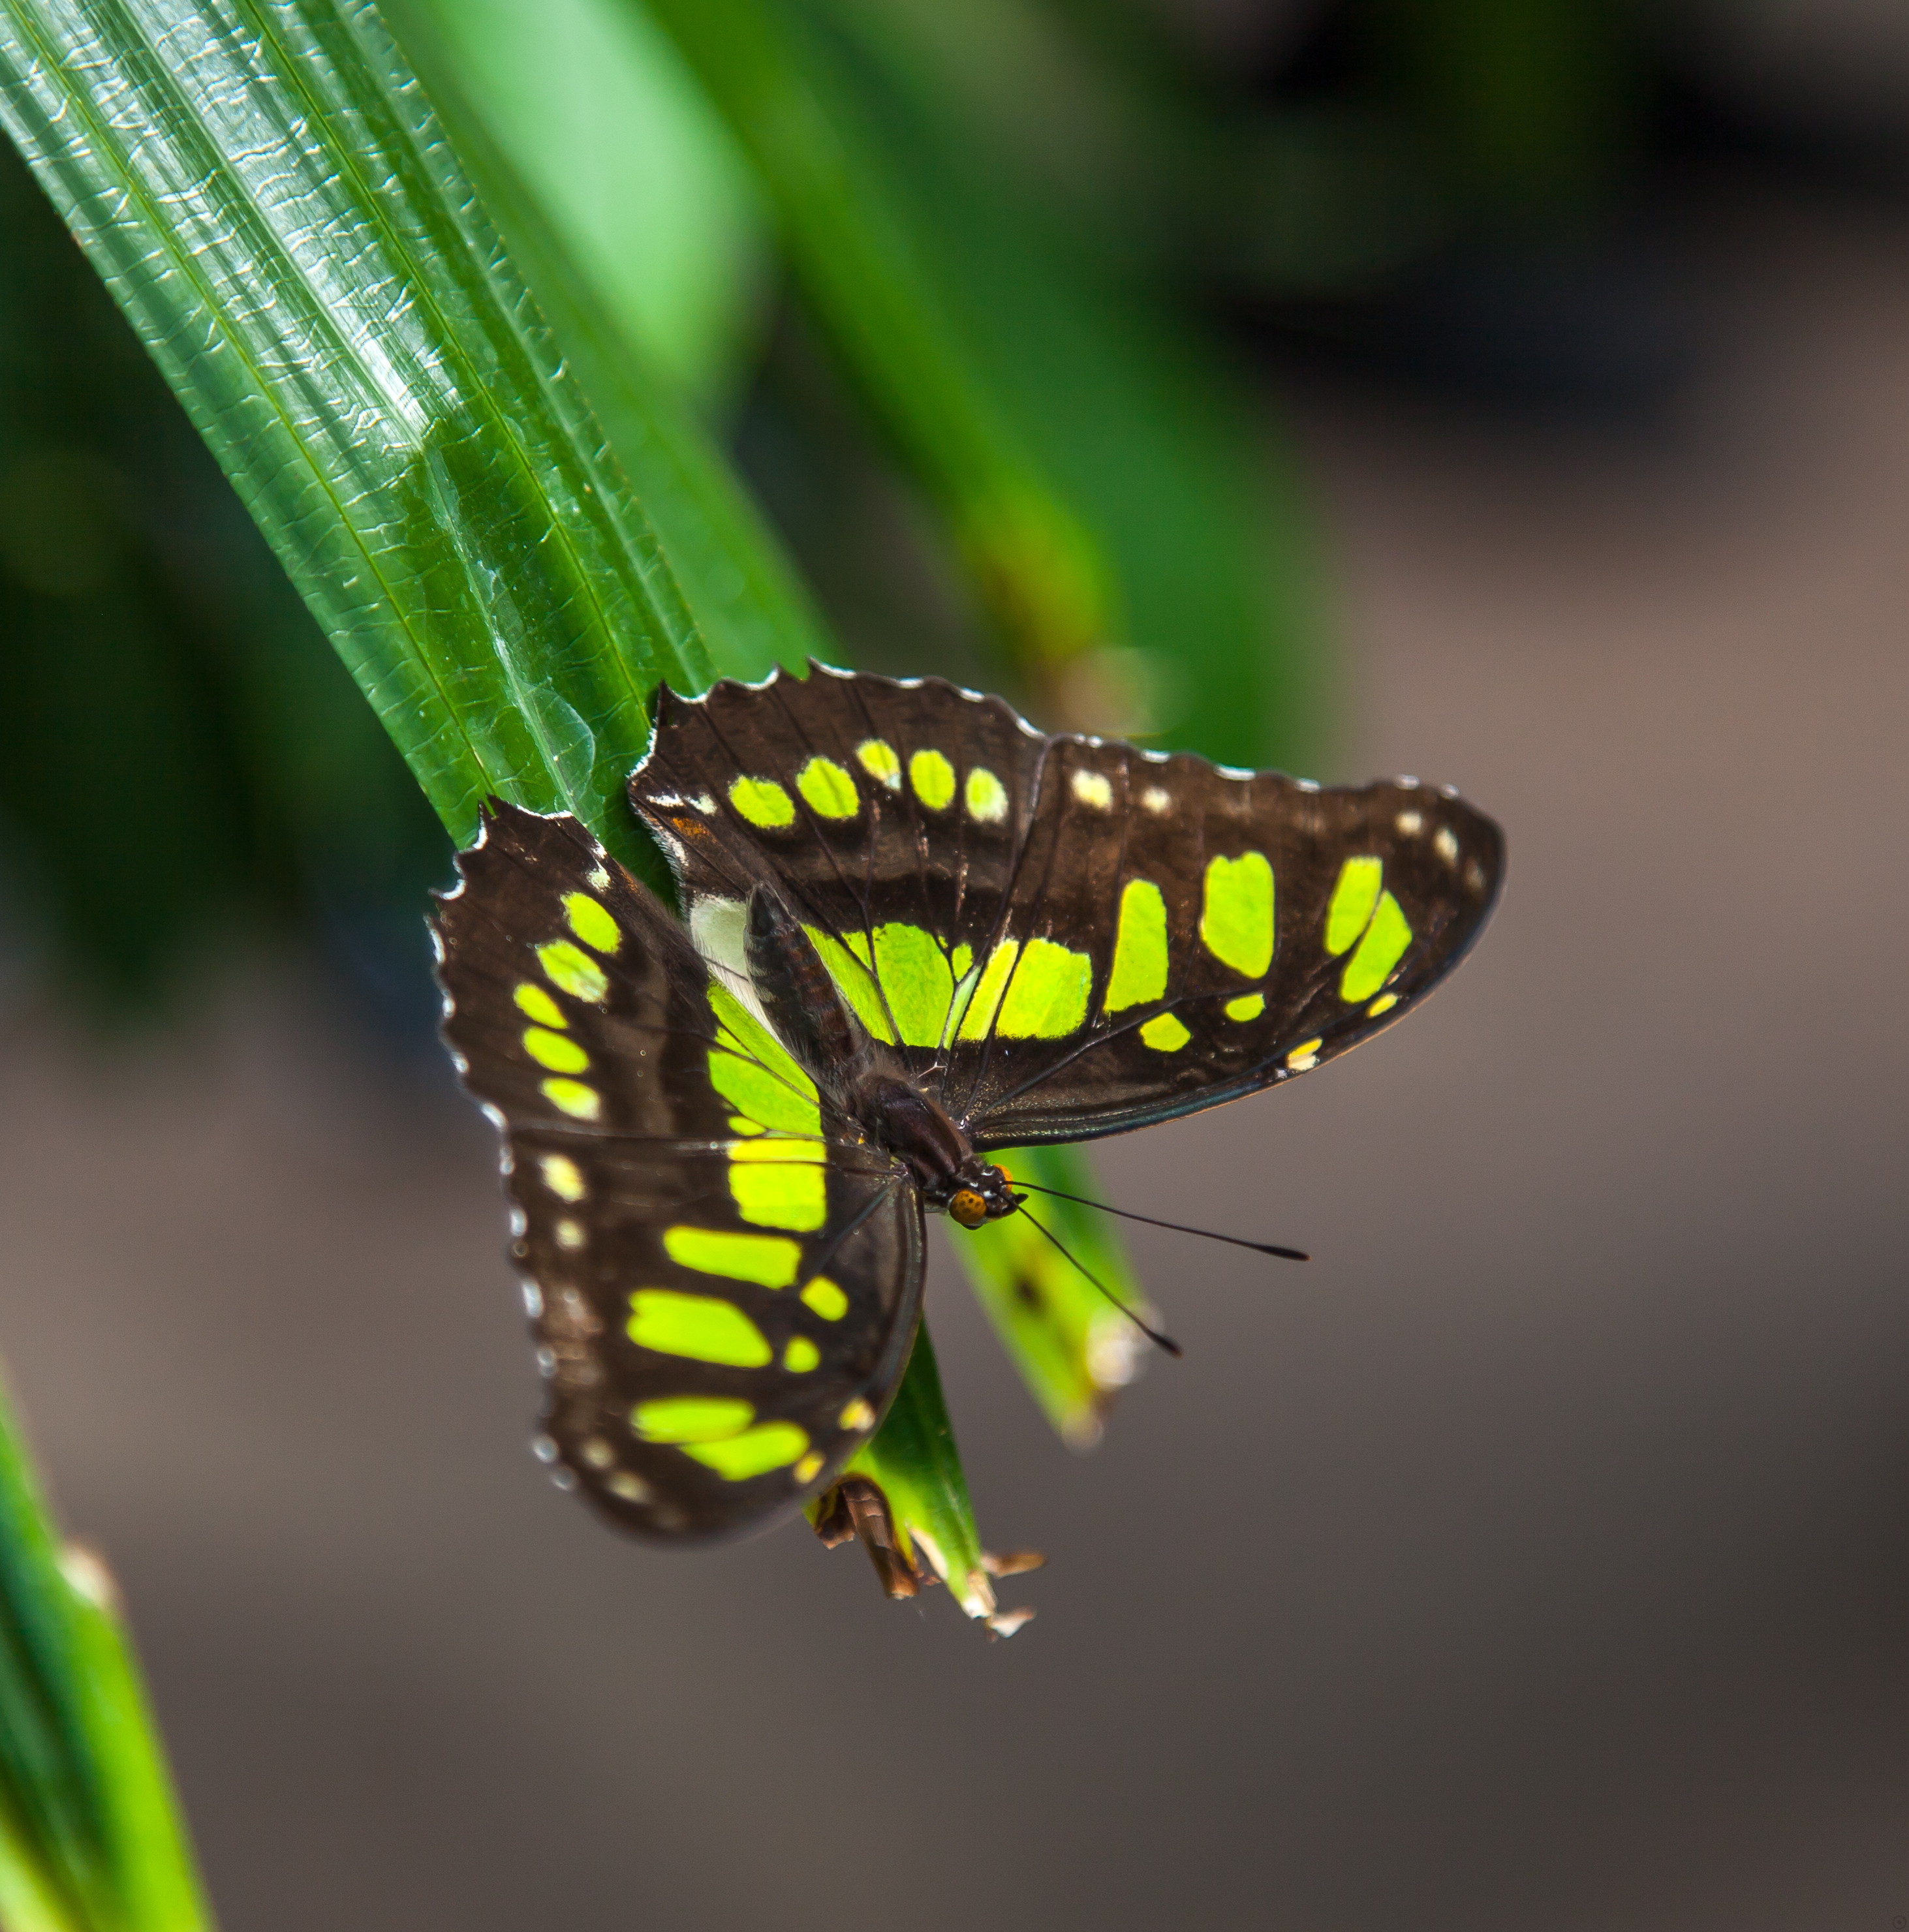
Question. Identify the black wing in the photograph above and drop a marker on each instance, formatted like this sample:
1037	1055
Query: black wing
1063	938
724	1281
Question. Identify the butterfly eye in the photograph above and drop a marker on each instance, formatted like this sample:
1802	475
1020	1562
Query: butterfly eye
968	1208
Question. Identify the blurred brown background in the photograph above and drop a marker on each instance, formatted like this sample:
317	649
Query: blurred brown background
1537	1557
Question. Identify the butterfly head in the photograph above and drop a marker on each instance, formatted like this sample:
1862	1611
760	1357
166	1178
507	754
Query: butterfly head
982	1193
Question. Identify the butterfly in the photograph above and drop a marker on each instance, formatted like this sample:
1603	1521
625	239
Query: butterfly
915	932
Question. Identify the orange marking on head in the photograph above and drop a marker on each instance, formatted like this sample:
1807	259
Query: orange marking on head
968	1208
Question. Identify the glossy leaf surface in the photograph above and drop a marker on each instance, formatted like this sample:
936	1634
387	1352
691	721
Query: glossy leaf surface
266	192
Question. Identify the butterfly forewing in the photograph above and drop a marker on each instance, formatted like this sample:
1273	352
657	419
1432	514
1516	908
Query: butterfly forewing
1063	938
725	1279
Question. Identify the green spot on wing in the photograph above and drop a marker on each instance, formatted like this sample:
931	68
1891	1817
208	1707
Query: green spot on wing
1381	949
701	1327
1247	1006
986	796
780	1183
1139	973
986	999
763	801
591	922
691	1418
822	1297
770	1445
1236	920
854	981
1046	997
755	1073
827	789
933	779
801	1356
1165	1033
572	1097
556	1051
877	757
760	1096
571	969
916	980
535	1004
1353	899
768	1260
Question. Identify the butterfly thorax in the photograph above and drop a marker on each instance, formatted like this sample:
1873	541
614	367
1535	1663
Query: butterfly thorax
861	1077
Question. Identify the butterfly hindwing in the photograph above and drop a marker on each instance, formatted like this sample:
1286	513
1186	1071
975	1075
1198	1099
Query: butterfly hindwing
705	1372
1062	937
724	1279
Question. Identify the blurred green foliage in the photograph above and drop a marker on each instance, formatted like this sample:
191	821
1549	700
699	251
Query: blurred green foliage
90	1836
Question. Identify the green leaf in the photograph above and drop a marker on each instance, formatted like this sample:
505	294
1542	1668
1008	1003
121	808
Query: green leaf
91	1839
643	184
265	191
1074	1348
913	1462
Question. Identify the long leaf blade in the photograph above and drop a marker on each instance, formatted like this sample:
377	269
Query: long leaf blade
264	189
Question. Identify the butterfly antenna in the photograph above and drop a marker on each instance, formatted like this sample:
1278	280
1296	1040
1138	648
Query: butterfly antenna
1177	1227
1153	1335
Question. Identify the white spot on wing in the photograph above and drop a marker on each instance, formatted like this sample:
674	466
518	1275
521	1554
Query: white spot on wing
1410	823
1445	843
718	928
1156	800
1093	789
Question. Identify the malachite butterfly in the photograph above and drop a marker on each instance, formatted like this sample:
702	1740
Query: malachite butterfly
918	931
